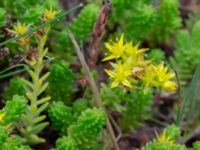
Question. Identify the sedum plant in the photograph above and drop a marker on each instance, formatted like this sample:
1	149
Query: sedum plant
12	112
123	9
61	116
10	115
196	145
33	120
166	141
15	87
79	106
145	21
167	21
132	77
11	141
157	56
61	81
82	31
187	47
137	109
66	143
133	71
27	10
81	27
80	131
141	23
87	128
134	106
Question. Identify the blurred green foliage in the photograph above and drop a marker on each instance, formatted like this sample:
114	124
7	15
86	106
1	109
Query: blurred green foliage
196	145
145	22
2	16
187	53
156	55
81	26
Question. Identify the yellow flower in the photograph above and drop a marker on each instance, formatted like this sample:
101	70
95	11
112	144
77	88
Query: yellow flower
134	56
158	76
149	77
49	14
163	77
20	28
120	75
115	48
164	138
134	50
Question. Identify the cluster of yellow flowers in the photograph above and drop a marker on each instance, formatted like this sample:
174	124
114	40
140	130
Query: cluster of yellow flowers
131	67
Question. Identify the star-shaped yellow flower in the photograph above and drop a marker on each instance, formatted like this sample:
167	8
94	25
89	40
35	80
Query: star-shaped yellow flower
163	77
20	28
164	138
120	75
49	14
158	76
134	50
116	49
134	56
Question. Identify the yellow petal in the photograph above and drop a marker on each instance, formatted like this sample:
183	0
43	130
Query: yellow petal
121	40
171	75
142	50
126	83
108	58
169	86
114	84
110	73
109	46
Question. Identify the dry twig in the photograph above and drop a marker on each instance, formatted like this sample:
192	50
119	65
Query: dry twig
94	88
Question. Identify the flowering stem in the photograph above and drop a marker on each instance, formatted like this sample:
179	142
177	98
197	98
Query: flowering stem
33	120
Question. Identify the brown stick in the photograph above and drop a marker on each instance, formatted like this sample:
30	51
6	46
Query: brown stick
94	88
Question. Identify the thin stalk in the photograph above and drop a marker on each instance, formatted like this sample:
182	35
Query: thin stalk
11	73
94	88
12	67
4	74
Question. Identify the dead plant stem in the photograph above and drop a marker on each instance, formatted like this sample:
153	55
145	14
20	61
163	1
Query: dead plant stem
94	88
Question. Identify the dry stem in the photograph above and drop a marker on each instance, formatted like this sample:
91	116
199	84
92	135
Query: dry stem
94	88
